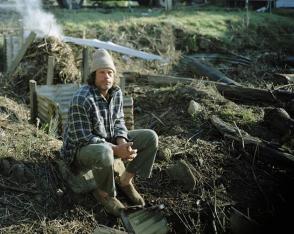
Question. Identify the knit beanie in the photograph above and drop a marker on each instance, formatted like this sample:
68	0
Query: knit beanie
102	59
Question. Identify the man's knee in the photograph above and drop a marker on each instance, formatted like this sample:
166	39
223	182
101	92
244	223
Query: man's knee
106	156
152	137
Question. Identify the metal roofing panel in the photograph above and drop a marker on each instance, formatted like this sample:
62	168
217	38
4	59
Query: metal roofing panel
148	222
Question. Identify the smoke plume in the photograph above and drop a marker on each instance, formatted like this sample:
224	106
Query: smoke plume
36	19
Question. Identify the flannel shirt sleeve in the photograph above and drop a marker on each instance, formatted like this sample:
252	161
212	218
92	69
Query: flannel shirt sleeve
80	123
120	129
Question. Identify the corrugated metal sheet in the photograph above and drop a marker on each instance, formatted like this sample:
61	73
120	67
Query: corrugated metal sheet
148	222
284	3
53	102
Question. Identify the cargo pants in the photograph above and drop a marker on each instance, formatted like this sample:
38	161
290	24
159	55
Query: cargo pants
100	159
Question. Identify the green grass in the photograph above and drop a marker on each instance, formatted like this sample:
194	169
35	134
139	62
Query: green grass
226	26
209	22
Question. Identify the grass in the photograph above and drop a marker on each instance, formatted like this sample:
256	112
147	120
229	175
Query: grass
214	23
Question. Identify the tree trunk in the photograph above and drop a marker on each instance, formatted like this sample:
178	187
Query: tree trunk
244	94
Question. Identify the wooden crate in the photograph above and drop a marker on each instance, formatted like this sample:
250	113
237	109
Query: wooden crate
50	103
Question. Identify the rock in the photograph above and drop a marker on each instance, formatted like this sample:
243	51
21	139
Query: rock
118	167
17	171
194	108
279	122
182	172
29	175
59	192
83	181
164	154
5	167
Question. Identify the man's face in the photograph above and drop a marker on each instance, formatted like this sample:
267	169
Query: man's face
104	79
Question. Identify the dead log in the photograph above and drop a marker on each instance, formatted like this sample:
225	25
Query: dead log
278	98
195	66
269	152
253	95
281	78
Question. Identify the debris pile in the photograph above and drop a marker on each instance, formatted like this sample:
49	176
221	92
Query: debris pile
35	62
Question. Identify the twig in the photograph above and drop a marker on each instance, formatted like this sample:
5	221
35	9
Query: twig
196	134
214	213
258	185
18	189
243	215
238	129
185	224
283	86
158	118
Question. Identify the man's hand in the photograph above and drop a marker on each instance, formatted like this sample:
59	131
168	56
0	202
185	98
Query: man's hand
120	140
125	151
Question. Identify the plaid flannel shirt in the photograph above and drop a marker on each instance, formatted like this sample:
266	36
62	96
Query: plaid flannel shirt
92	119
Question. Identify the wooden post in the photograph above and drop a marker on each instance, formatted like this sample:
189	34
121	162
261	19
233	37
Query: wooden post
21	53
86	69
33	100
21	34
122	84
247	12
69	2
168	5
50	70
7	51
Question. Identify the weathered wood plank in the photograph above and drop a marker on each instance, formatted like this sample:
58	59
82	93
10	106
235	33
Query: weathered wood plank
50	70
86	66
33	100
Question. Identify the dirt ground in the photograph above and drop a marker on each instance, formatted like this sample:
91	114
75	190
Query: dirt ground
230	190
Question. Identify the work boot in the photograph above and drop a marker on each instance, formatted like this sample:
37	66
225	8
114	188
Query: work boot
111	204
130	191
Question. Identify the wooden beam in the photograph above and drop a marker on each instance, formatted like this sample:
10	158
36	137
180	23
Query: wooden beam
21	53
33	100
50	70
195	66
122	84
7	51
85	67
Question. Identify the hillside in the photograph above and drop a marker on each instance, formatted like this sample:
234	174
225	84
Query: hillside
233	188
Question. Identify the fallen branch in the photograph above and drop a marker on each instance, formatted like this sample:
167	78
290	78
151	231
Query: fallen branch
195	66
267	150
242	94
158	118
